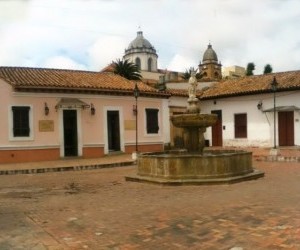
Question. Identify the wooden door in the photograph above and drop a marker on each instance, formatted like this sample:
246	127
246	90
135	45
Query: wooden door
113	130
286	128
217	133
70	132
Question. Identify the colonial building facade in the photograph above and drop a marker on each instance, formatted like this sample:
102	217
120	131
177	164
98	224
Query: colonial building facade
51	114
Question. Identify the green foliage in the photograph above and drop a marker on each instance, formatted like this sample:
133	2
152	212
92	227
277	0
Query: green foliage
250	68
127	69
268	69
187	74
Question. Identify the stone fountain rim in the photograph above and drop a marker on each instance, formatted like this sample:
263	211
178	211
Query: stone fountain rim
184	154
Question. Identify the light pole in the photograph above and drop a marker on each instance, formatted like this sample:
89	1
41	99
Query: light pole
274	85
136	93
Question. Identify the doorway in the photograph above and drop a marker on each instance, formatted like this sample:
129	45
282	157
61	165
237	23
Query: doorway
113	130
70	132
286	128
217	133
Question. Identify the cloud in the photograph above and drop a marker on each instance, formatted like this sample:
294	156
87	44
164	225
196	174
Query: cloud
181	63
63	62
105	50
93	33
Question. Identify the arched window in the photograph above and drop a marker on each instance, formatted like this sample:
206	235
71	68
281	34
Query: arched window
138	62
204	74
150	64
216	75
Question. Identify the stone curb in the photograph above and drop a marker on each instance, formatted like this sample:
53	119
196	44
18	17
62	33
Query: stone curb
65	168
271	158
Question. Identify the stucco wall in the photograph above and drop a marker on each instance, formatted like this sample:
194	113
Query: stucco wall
92	129
260	125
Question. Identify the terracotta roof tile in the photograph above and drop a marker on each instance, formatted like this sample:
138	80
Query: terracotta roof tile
253	84
39	78
182	92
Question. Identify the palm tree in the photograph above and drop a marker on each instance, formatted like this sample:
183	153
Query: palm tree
126	69
187	74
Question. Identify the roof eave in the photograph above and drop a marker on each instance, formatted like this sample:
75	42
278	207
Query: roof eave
90	91
265	91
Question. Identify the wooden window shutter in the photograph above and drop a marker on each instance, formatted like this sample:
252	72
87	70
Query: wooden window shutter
21	121
240	125
152	121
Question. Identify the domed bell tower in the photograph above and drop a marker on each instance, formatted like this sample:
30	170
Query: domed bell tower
142	53
210	69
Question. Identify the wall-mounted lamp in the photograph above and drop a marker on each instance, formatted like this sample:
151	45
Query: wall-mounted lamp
259	105
93	110
46	109
134	110
215	102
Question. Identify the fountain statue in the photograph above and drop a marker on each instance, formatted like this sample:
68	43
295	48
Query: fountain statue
194	164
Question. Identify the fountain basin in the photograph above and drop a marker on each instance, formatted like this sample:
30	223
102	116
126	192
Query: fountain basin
181	168
194	120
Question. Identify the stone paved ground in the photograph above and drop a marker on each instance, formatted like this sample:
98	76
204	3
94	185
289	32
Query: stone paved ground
97	209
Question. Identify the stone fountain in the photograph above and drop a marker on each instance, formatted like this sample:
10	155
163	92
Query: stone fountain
194	164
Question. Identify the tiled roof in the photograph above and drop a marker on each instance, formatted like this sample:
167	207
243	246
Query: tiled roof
253	85
182	92
108	68
22	78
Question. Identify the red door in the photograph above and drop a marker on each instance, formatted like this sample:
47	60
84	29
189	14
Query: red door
286	128
217	137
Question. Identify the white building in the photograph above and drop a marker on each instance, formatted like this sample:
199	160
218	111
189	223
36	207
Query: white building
233	71
246	111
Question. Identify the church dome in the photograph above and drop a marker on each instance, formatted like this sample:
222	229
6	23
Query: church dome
140	44
210	54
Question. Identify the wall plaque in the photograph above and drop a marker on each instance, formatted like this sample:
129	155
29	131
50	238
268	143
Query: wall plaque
46	125
129	124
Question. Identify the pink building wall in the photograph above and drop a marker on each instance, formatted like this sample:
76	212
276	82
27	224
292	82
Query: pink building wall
92	130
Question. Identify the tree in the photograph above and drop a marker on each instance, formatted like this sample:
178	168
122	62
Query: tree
127	69
187	74
268	69
250	68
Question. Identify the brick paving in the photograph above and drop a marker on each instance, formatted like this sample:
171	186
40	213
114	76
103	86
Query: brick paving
98	209
68	164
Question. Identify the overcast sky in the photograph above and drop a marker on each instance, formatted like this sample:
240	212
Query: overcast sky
89	34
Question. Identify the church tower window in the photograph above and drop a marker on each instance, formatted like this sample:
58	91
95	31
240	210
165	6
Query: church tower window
138	62
150	64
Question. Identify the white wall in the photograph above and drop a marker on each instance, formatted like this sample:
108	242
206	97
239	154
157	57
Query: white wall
144	60
260	125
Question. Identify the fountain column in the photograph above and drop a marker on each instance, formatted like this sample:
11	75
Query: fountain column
193	135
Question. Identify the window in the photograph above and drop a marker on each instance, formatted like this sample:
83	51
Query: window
150	64
240	125
152	121
20	121
138	63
